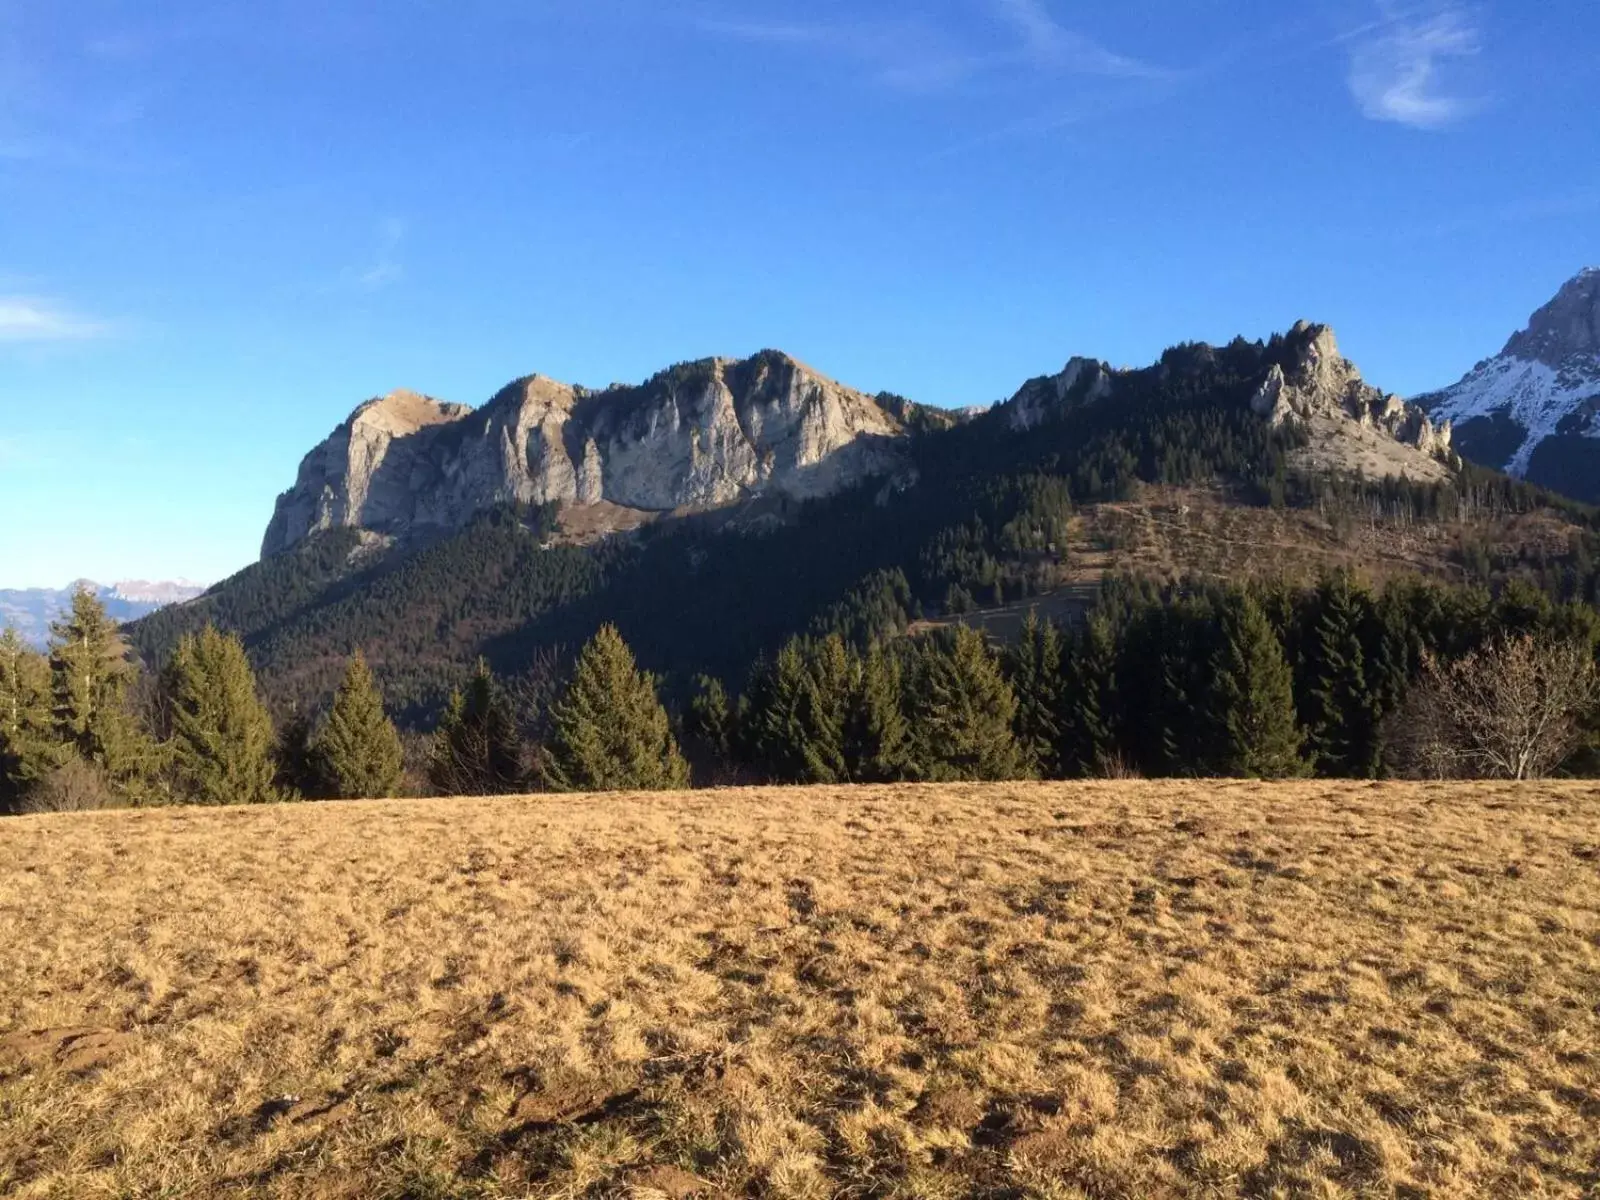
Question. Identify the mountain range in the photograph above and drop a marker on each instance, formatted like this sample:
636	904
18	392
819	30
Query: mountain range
31	610
1533	410
725	505
721	433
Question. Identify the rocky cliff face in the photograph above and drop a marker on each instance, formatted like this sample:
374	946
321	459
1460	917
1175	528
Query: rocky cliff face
1353	426
1084	381
1534	409
1303	378
696	436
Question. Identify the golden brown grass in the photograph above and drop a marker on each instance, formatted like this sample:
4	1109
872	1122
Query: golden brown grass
1006	991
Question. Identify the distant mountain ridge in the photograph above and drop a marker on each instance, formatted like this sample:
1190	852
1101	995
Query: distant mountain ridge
1533	410
31	610
913	513
720	431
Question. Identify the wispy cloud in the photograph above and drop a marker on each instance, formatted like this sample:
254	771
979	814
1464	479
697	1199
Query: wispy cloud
28	319
916	54
1399	65
385	267
910	54
1049	44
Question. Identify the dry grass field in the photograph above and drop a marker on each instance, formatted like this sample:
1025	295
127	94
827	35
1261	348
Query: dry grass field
1138	990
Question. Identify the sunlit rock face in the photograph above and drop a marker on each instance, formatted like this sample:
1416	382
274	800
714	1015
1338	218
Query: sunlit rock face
697	436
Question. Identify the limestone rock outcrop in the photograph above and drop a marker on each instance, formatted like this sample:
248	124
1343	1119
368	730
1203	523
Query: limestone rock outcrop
1352	425
697	436
1084	381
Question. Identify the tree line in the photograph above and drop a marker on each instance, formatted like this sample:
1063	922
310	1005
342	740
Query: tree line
1271	681
82	727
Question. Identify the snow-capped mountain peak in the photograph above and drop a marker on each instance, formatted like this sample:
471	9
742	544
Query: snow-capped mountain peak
1534	409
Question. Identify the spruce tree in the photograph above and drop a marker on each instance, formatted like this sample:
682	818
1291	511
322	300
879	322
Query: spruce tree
1340	708
712	724
29	749
222	736
1087	700
962	711
90	677
1034	669
609	731
476	750
825	710
774	734
358	753
298	775
876	736
1253	697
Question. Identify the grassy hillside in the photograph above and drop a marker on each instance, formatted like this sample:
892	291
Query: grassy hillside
1028	990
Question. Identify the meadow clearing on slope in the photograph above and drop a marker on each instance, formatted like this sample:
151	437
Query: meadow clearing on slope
1064	990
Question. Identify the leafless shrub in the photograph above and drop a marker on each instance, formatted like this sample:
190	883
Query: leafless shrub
75	786
1115	766
1513	710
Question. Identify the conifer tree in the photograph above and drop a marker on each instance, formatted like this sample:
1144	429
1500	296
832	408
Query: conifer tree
1341	710
358	753
1087	701
774	732
876	736
28	745
1034	670
298	775
609	731
222	736
962	711
712	722
476	750
825	710
90	676
1162	662
1253	697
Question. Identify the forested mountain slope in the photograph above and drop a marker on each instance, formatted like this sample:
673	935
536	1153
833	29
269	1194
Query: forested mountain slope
1068	480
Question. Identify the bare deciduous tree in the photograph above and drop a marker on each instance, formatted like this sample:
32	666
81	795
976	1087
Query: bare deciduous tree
1513	710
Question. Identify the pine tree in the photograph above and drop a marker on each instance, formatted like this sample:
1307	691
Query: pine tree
1087	701
876	736
29	749
1340	708
712	724
90	676
358	753
825	710
774	732
298	775
1254	697
222	736
1162	688
609	732
476	749
1034	669
962	711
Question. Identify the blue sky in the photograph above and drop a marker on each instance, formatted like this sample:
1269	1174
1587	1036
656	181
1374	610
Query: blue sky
223	225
